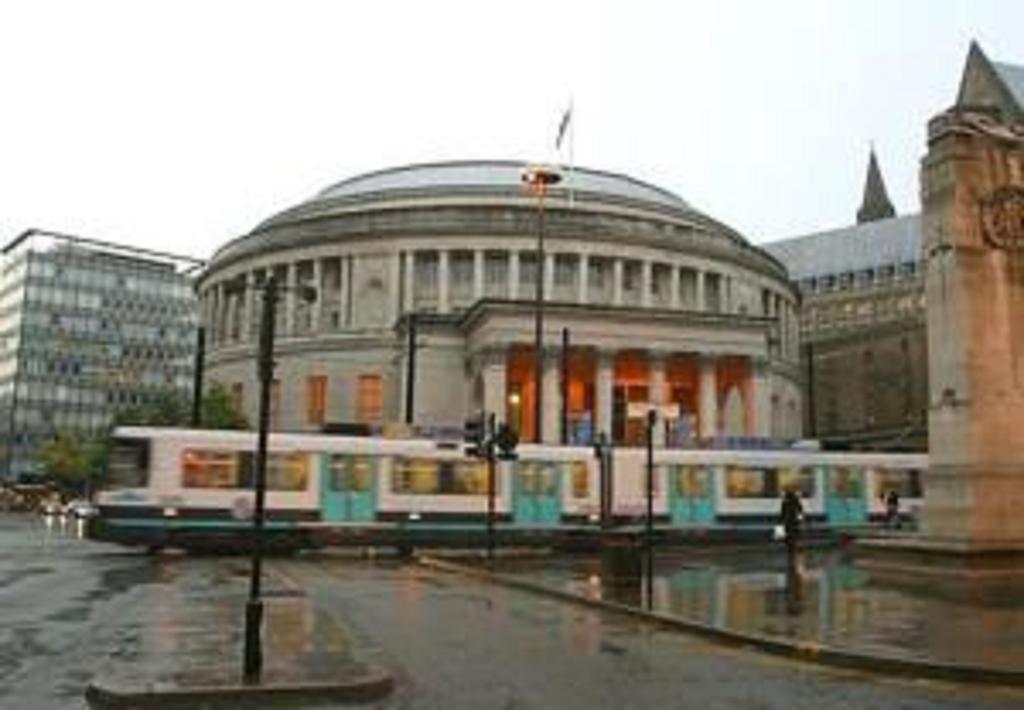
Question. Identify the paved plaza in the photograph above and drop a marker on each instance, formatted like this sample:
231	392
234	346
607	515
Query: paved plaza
73	611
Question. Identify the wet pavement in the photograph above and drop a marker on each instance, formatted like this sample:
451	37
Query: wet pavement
827	599
72	609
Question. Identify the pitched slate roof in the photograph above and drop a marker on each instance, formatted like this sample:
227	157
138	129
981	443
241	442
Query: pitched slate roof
1013	77
885	242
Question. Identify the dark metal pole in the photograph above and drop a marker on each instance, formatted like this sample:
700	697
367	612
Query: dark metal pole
197	378
253	658
651	418
410	372
565	386
538	334
490	453
812	429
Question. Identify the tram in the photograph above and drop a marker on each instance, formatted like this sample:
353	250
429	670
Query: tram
167	486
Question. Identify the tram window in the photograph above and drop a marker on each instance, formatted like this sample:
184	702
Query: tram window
844	482
750	482
800	479
538	478
208	468
906	483
129	463
351	473
440	477
691	481
287	471
580	479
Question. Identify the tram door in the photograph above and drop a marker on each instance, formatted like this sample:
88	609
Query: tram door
844	499
537	493
349	488
691	495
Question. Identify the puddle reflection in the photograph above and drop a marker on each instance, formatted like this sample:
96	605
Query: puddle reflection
822	598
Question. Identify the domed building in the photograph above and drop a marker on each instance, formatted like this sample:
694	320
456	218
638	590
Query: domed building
658	302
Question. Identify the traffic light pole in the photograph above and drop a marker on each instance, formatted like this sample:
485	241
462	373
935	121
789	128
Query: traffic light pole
651	419
490	453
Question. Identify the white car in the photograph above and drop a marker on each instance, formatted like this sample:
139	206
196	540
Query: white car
80	509
50	508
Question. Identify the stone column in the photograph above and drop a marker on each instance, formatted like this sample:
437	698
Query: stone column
603	384
701	304
248	312
673	293
513	275
478	274
289	299
584	269
645	283
617	282
760	398
552	398
408	293
494	366
443	279
656	383
344	273
317	305
708	397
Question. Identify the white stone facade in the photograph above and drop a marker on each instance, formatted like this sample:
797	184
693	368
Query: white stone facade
660	302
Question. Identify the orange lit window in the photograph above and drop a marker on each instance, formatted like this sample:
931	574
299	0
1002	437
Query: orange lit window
370	399
316	399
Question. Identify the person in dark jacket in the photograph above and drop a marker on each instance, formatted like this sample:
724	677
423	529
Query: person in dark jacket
792	515
892	509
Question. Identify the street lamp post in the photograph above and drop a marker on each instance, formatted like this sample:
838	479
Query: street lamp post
252	660
538	178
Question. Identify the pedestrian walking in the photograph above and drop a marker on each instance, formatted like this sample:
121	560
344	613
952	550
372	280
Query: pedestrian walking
892	509
791	515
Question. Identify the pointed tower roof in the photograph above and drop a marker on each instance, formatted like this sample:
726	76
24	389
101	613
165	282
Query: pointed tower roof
991	84
876	204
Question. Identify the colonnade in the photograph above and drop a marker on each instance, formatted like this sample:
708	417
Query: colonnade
449	280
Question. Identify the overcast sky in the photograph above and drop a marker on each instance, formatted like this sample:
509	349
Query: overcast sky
180	125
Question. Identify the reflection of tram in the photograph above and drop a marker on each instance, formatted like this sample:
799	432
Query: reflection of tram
172	479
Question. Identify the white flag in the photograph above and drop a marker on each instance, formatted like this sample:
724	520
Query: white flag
563	126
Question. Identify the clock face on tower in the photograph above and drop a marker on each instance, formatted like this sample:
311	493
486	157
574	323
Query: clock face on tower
1001	214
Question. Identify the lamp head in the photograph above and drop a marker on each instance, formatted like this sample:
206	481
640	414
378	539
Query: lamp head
540	177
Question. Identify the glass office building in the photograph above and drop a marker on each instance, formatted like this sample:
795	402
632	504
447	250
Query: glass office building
86	328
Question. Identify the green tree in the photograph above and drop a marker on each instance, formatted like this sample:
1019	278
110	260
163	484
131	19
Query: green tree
218	410
161	408
64	459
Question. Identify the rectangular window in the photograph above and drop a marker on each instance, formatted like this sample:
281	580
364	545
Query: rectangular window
565	270
207	468
129	463
351	473
597	273
527	270
316	399
580	479
692	481
496	273
288	471
907	483
800	479
369	399
844	482
743	482
440	477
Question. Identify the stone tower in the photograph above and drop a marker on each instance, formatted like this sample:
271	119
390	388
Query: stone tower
876	204
972	191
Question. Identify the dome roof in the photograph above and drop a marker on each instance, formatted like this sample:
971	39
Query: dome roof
488	176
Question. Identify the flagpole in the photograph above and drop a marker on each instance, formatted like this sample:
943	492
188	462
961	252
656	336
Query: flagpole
572	151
